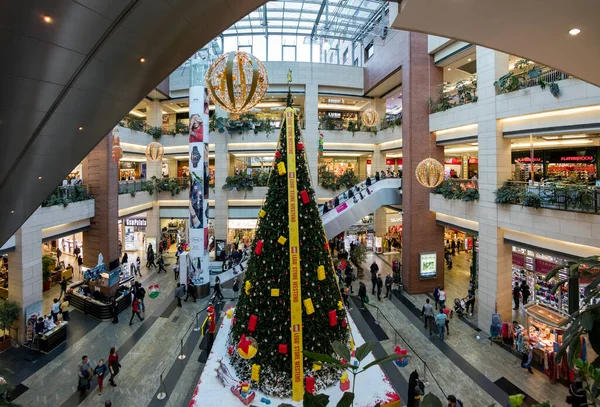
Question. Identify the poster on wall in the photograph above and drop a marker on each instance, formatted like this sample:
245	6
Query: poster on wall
428	265
32	313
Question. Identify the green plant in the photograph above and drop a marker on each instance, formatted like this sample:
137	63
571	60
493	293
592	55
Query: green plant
348	179
239	182
532	200
48	264
508	194
342	352
582	197
523	75
443	102
465	90
181	128
216	123
327	179
590	379
155	132
470	195
358	255
327	123
135	124
9	314
353	127
132	192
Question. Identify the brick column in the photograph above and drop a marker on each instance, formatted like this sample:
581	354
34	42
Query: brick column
421	233
101	174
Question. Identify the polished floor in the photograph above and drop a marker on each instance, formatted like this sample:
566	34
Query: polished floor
465	364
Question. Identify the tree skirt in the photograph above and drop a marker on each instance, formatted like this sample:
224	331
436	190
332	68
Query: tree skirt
372	387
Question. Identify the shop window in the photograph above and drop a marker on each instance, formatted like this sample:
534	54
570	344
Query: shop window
369	51
355	62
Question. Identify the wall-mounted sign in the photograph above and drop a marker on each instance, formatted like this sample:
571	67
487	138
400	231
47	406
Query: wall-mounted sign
577	158
136	222
473	161
128	165
334	115
241	223
396	220
428	265
453	161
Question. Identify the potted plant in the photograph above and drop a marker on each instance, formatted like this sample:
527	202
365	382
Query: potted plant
9	314
48	264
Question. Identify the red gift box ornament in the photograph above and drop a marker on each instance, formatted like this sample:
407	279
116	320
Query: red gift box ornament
277	154
230	350
326	247
252	323
259	246
304	196
299	146
310	384
283	348
332	318
344	323
244	343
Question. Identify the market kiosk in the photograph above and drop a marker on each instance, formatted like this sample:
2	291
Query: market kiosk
94	294
52	338
544	329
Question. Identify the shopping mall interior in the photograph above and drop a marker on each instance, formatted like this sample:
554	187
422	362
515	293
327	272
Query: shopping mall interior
331	165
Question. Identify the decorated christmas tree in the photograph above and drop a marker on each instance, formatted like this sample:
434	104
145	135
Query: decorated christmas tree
291	300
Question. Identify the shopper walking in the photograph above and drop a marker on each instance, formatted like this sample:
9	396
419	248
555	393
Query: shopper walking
84	374
63	288
138	266
440	320
362	293
135	310
376	176
525	292
58	254
140	294
151	260
448	314
427	315
191	290
100	372
454	402
179	291
80	265
55	310
114	311
348	280
516	295
217	288
176	270
470	301
436	296
526	359
374	270
416	389
442	297
113	365
64	309
125	259
379	287
161	265
344	292
236	287
388	286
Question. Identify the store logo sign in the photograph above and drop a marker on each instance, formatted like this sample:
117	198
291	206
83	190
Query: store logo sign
394	220
578	158
136	222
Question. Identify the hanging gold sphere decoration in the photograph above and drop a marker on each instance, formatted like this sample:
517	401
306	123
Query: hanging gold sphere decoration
430	173
370	118
237	81
155	151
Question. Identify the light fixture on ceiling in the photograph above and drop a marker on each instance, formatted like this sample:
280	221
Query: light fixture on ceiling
449	69
574	31
40	177
47	19
142	60
80	128
326	45
469	59
12	211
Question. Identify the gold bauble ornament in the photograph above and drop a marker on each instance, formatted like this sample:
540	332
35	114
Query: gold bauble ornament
430	173
370	118
155	151
237	81
252	349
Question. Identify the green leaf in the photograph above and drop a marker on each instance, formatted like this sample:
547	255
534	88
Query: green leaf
363	350
382	360
346	400
341	350
588	319
320	357
431	400
315	400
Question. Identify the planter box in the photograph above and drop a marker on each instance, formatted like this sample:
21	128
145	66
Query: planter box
46	285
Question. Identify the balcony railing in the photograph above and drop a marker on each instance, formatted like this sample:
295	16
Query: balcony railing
566	197
64	195
548	75
454	94
172	185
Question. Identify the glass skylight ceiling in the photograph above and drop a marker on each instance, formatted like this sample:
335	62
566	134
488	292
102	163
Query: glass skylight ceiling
316	20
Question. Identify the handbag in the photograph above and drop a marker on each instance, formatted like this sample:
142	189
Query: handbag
366	299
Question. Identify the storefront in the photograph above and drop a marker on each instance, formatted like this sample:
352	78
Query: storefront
4	276
131	170
576	165
393	165
67	246
336	120
241	232
463	167
461	250
183	168
173	233
392	240
339	165
134	233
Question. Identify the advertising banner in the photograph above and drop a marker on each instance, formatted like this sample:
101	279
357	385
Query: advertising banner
428	265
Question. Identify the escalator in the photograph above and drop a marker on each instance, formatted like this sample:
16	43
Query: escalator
384	192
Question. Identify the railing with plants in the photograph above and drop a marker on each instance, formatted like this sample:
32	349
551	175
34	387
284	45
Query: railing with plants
154	184
244	123
246	182
460	189
526	75
454	94
389	122
329	180
567	197
155	132
64	195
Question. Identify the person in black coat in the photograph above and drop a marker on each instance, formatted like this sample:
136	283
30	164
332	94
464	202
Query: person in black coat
415	390
362	293
516	296
125	259
348	280
374	270
379	287
114	311
368	181
377	176
525	291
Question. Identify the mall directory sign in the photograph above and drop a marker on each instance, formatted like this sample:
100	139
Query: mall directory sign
428	265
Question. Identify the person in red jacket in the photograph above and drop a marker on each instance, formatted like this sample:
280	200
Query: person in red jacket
135	310
212	326
113	365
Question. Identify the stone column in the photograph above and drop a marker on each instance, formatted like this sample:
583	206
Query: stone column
311	133
421	233
380	222
223	168
495	273
25	283
101	174
154	113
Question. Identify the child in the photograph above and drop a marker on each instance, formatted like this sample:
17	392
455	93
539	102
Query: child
100	371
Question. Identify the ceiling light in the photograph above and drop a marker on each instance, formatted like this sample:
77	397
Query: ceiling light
142	60
574	31
47	19
40	177
12	211
449	69
469	59
80	128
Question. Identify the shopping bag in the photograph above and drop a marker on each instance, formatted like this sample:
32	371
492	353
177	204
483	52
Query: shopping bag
366	299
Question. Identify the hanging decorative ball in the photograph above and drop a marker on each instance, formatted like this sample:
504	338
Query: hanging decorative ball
370	118
430	173
237	81
155	151
247	347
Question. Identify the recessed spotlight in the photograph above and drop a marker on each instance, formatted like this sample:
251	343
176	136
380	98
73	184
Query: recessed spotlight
470	59
47	19
40	177
80	128
574	31
142	60
449	69
12	211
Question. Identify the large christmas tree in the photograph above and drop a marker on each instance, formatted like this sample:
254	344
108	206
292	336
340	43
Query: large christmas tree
265	310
